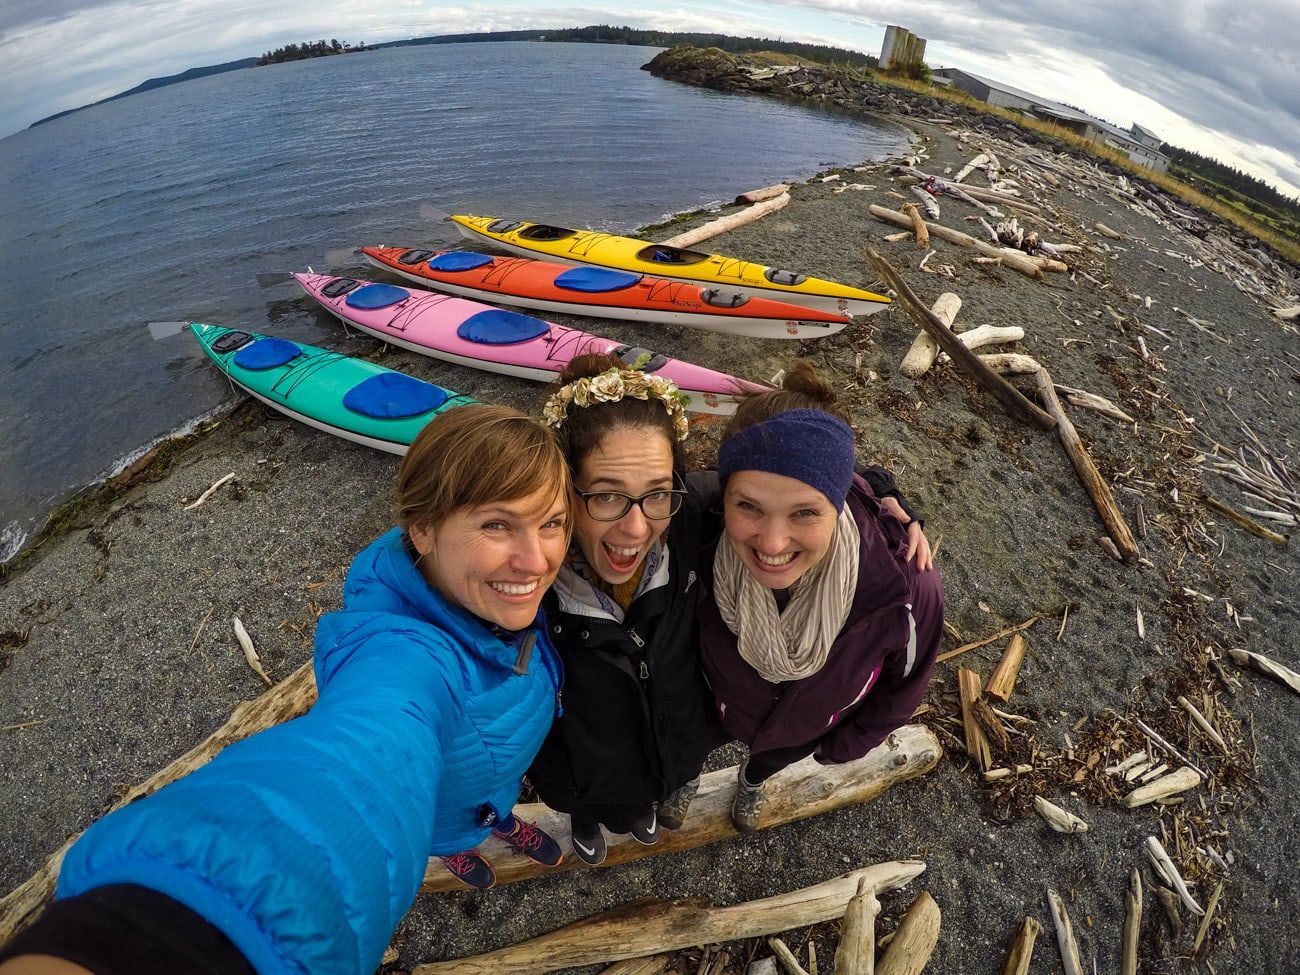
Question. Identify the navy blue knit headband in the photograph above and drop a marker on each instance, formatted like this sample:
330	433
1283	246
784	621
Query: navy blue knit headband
808	445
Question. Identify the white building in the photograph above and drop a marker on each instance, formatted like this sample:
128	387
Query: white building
1140	145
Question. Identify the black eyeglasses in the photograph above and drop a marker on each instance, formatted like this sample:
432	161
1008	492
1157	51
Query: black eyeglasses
613	505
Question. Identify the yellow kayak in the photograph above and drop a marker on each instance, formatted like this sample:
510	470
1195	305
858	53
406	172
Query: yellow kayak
597	249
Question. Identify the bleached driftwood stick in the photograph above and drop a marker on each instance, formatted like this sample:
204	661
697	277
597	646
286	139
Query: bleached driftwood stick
1064	935
1091	401
1252	526
914	939
730	222
1132	924
288	699
977	338
1169	873
856	953
1179	780
1210	905
920	357
1157	740
1021	951
1015	261
209	492
1058	818
1105	231
1264	665
786	957
1010	397
250	652
1011	363
670	925
1202	722
1003	680
1097	488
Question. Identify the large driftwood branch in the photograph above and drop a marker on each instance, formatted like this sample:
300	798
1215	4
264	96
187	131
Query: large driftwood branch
766	193
729	222
648	926
1014	260
1007	395
1097	488
288	699
802	790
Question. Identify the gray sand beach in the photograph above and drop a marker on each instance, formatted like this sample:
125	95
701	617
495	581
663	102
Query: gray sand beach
121	655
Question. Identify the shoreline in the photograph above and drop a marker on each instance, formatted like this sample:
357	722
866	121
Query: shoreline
127	657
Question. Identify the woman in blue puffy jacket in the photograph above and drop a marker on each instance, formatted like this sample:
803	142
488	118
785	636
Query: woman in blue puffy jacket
300	849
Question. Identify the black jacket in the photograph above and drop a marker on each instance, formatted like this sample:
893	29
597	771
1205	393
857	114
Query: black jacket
637	719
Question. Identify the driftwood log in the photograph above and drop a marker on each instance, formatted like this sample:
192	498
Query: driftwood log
649	926
766	193
925	350
1014	259
1132	924
1011	363
802	790
914	940
730	222
288	699
977	338
1010	397
1097	488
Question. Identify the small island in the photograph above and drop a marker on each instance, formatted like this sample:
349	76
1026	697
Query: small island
310	49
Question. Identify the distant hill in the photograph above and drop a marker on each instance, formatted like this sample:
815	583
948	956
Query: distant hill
159	83
601	34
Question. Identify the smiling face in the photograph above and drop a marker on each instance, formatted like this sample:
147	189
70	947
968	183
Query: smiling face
496	560
779	526
632	461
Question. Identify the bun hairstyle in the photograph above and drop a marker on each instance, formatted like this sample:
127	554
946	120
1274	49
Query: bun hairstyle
801	389
583	428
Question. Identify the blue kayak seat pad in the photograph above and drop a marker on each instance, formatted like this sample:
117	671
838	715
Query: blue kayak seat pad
500	327
394	395
266	353
595	279
458	261
376	296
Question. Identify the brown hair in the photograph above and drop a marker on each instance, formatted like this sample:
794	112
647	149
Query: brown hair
801	389
474	455
585	427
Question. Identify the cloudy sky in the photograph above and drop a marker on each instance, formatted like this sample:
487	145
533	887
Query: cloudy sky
1218	77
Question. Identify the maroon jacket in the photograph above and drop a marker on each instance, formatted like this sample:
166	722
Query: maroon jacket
878	667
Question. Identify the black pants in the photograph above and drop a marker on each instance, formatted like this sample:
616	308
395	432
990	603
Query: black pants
763	765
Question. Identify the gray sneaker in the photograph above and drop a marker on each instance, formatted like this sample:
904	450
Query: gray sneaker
748	804
588	841
672	811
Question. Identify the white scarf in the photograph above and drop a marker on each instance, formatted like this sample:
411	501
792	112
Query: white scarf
789	645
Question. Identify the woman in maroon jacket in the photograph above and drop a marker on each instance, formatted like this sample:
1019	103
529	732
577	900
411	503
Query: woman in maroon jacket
826	612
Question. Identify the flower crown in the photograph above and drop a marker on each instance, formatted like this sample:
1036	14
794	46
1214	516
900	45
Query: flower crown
611	386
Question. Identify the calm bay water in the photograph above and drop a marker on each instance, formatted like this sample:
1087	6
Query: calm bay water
166	205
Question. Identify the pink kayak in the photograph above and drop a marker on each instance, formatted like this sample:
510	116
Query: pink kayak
481	336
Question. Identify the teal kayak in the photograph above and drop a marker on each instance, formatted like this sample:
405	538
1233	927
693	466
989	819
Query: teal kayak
348	397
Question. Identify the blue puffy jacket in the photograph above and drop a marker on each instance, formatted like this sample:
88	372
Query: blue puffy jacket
307	843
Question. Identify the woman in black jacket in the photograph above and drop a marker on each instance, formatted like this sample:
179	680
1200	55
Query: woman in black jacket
637	721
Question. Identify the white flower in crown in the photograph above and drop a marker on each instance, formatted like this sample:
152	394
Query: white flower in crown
608	387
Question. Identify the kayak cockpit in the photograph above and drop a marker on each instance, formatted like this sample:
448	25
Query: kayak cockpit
788	278
538	231
666	254
723	299
642	359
